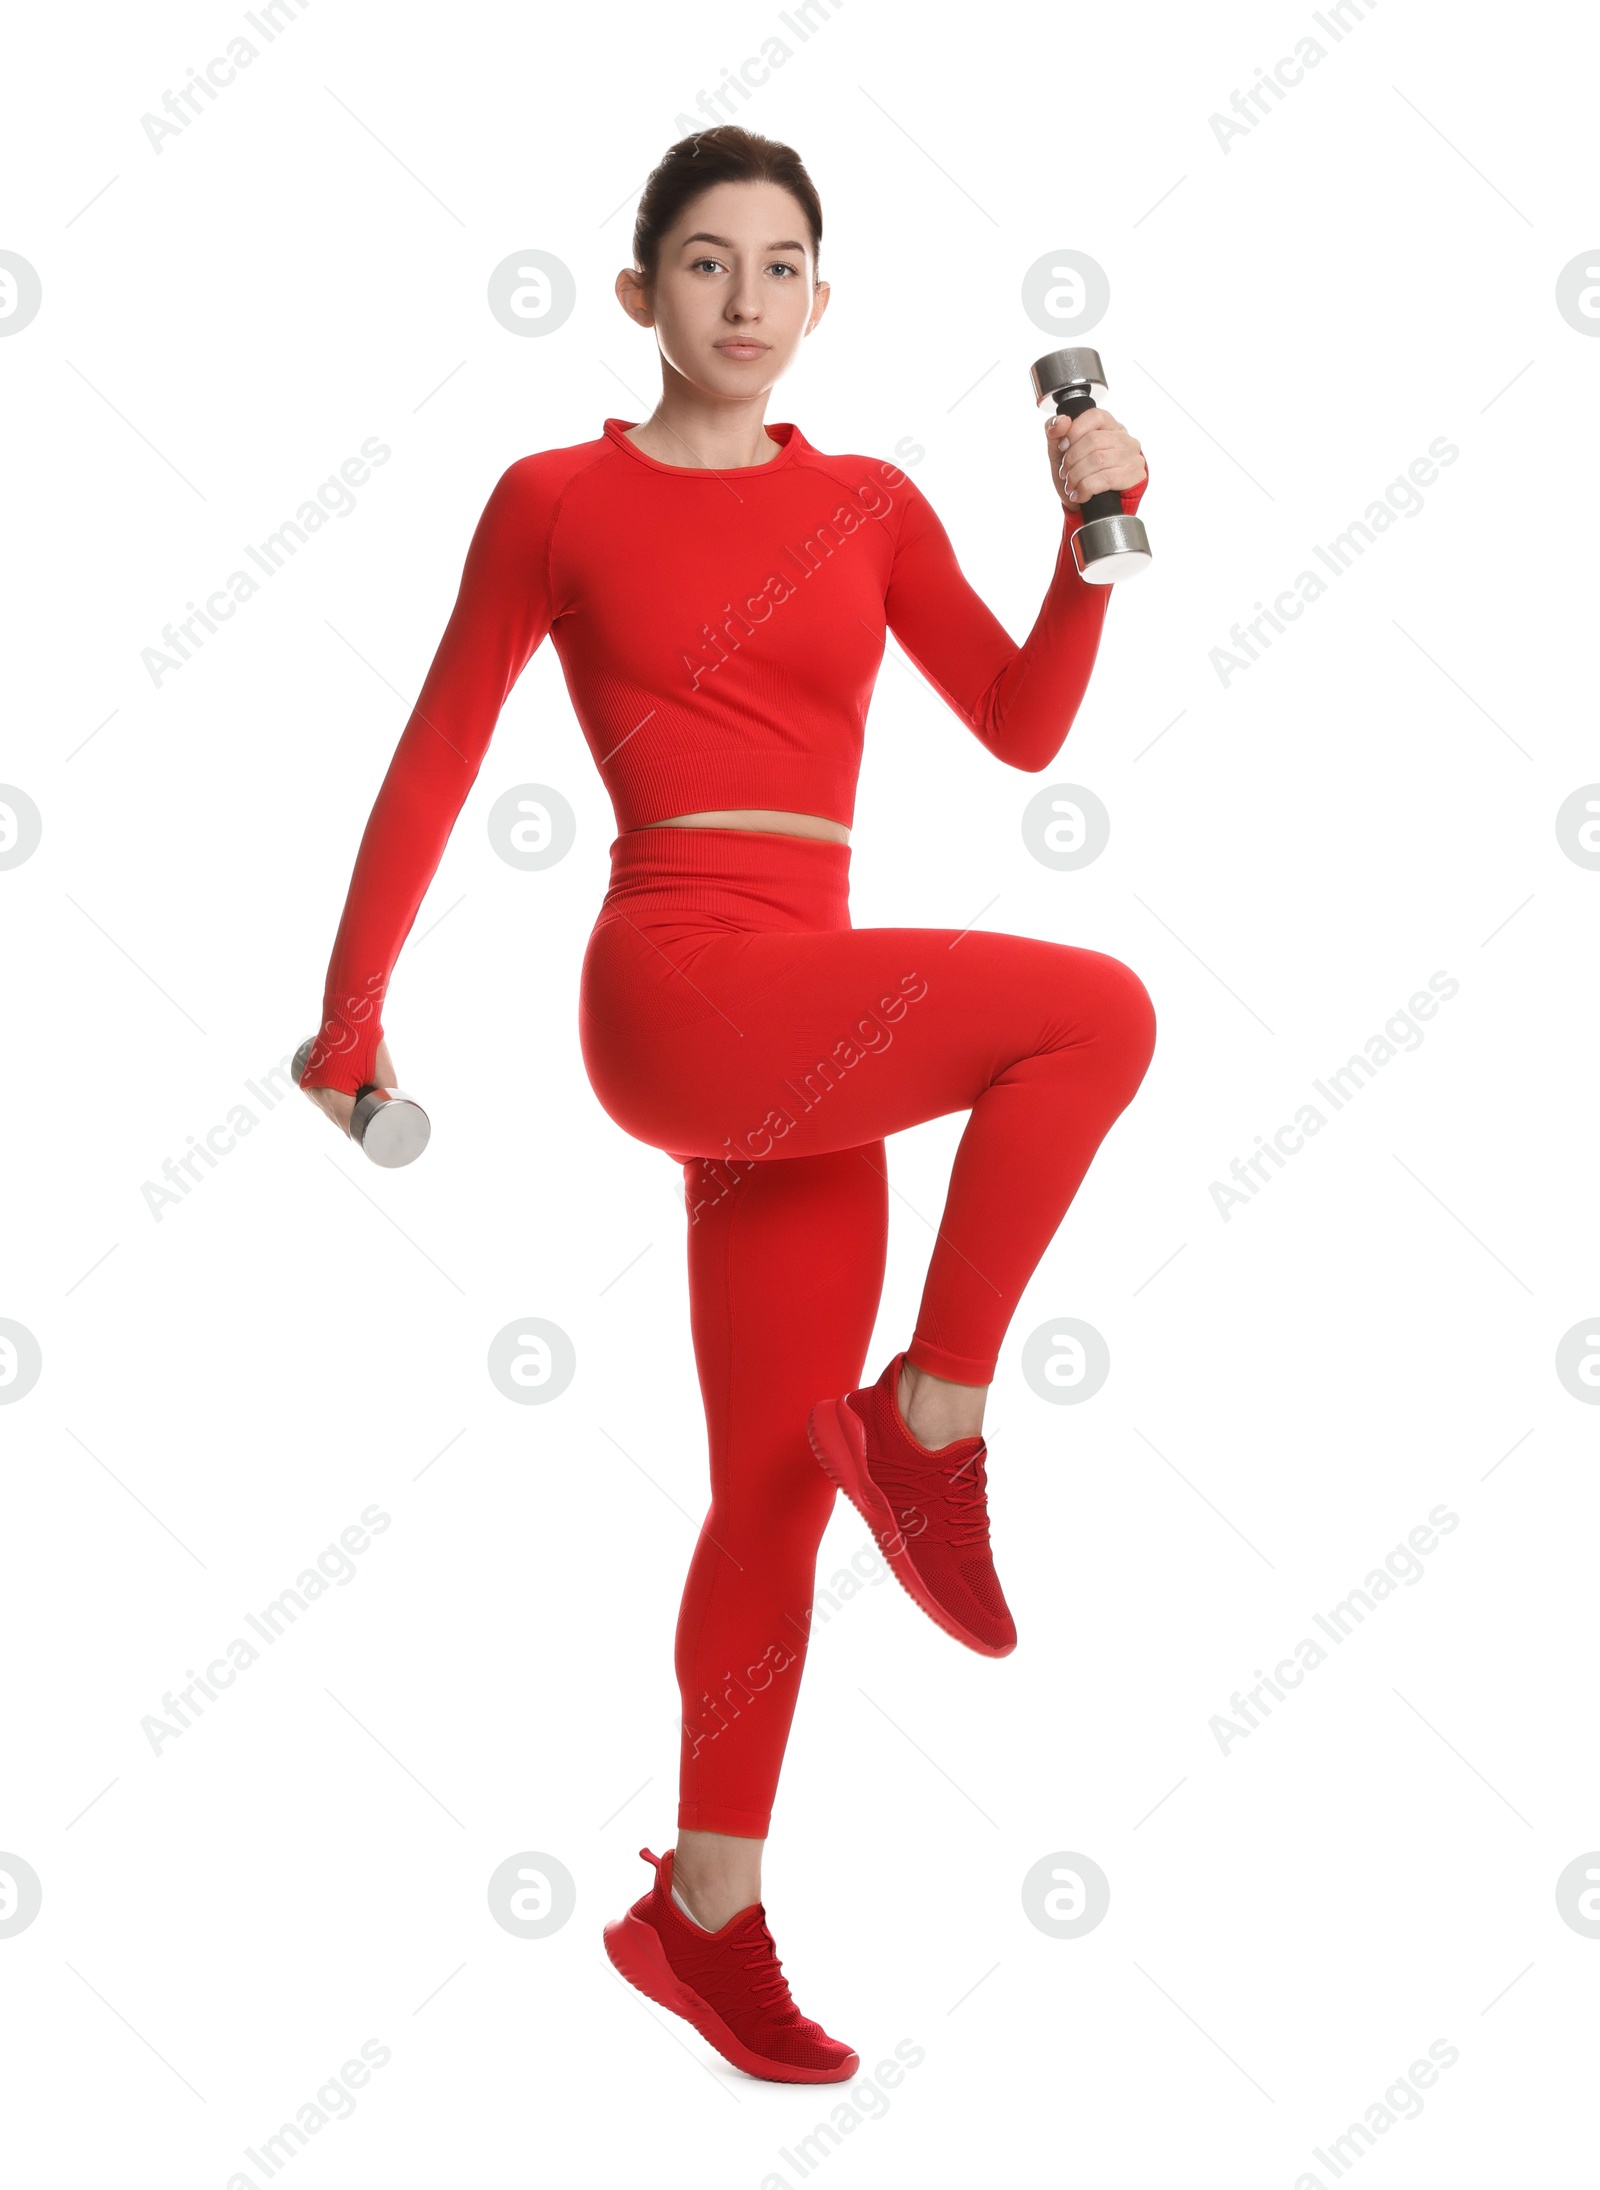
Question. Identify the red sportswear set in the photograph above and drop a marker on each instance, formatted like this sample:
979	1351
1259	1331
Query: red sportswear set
720	633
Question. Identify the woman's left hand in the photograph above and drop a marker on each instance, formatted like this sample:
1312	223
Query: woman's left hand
1091	453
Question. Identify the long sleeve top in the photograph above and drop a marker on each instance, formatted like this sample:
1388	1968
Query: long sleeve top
720	633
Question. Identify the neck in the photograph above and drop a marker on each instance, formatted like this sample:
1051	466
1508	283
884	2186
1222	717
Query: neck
688	426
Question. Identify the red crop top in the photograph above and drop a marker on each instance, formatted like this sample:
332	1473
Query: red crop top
720	634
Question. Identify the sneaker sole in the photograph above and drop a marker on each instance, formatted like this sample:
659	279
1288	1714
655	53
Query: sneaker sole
839	1439
637	1954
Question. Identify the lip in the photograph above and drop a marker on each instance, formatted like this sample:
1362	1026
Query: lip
745	349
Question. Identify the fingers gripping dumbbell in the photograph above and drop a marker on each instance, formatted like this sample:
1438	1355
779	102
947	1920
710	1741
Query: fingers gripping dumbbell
386	1125
1107	545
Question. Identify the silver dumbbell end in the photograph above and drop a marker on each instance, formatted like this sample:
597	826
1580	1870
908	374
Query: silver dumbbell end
387	1125
1108	548
1107	545
1063	371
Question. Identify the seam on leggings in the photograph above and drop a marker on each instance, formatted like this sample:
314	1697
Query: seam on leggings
727	1417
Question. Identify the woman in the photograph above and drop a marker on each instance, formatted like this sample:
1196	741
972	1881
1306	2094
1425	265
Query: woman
718	593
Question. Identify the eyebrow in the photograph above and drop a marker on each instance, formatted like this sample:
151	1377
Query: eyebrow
703	236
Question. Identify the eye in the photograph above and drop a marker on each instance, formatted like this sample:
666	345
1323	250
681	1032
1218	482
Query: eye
695	264
782	266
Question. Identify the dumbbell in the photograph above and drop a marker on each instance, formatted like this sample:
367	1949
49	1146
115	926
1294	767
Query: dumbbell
1107	545
390	1127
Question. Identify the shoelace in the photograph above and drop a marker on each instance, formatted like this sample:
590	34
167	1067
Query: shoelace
944	1508
967	1494
770	1988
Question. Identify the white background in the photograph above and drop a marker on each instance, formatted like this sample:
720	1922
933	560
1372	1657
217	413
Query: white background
225	1388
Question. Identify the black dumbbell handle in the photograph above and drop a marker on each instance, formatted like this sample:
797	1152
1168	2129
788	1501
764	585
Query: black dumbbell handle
1108	503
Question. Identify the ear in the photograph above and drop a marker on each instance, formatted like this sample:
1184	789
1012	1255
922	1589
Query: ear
634	297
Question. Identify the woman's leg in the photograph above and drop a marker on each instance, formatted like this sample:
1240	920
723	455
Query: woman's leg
781	1044
766	1052
786	1265
935	1409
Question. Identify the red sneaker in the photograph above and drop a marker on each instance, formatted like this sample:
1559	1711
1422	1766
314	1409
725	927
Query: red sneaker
928	1510
728	1983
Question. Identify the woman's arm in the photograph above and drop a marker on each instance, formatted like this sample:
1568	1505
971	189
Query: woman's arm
502	611
1020	700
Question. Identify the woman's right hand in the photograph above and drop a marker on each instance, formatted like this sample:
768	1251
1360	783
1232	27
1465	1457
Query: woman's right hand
1091	453
334	1103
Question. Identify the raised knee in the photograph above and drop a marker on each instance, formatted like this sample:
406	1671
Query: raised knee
1128	1014
1142	1016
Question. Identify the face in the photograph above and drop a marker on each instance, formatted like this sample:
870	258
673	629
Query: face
734	294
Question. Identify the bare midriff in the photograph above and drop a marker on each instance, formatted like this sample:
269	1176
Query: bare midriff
759	817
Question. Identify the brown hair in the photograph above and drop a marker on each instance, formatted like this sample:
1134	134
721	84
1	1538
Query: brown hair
694	164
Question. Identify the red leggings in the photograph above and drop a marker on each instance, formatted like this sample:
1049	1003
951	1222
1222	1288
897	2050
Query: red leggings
731	1015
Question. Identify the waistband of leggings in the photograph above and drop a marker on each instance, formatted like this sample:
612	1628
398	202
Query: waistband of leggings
758	876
